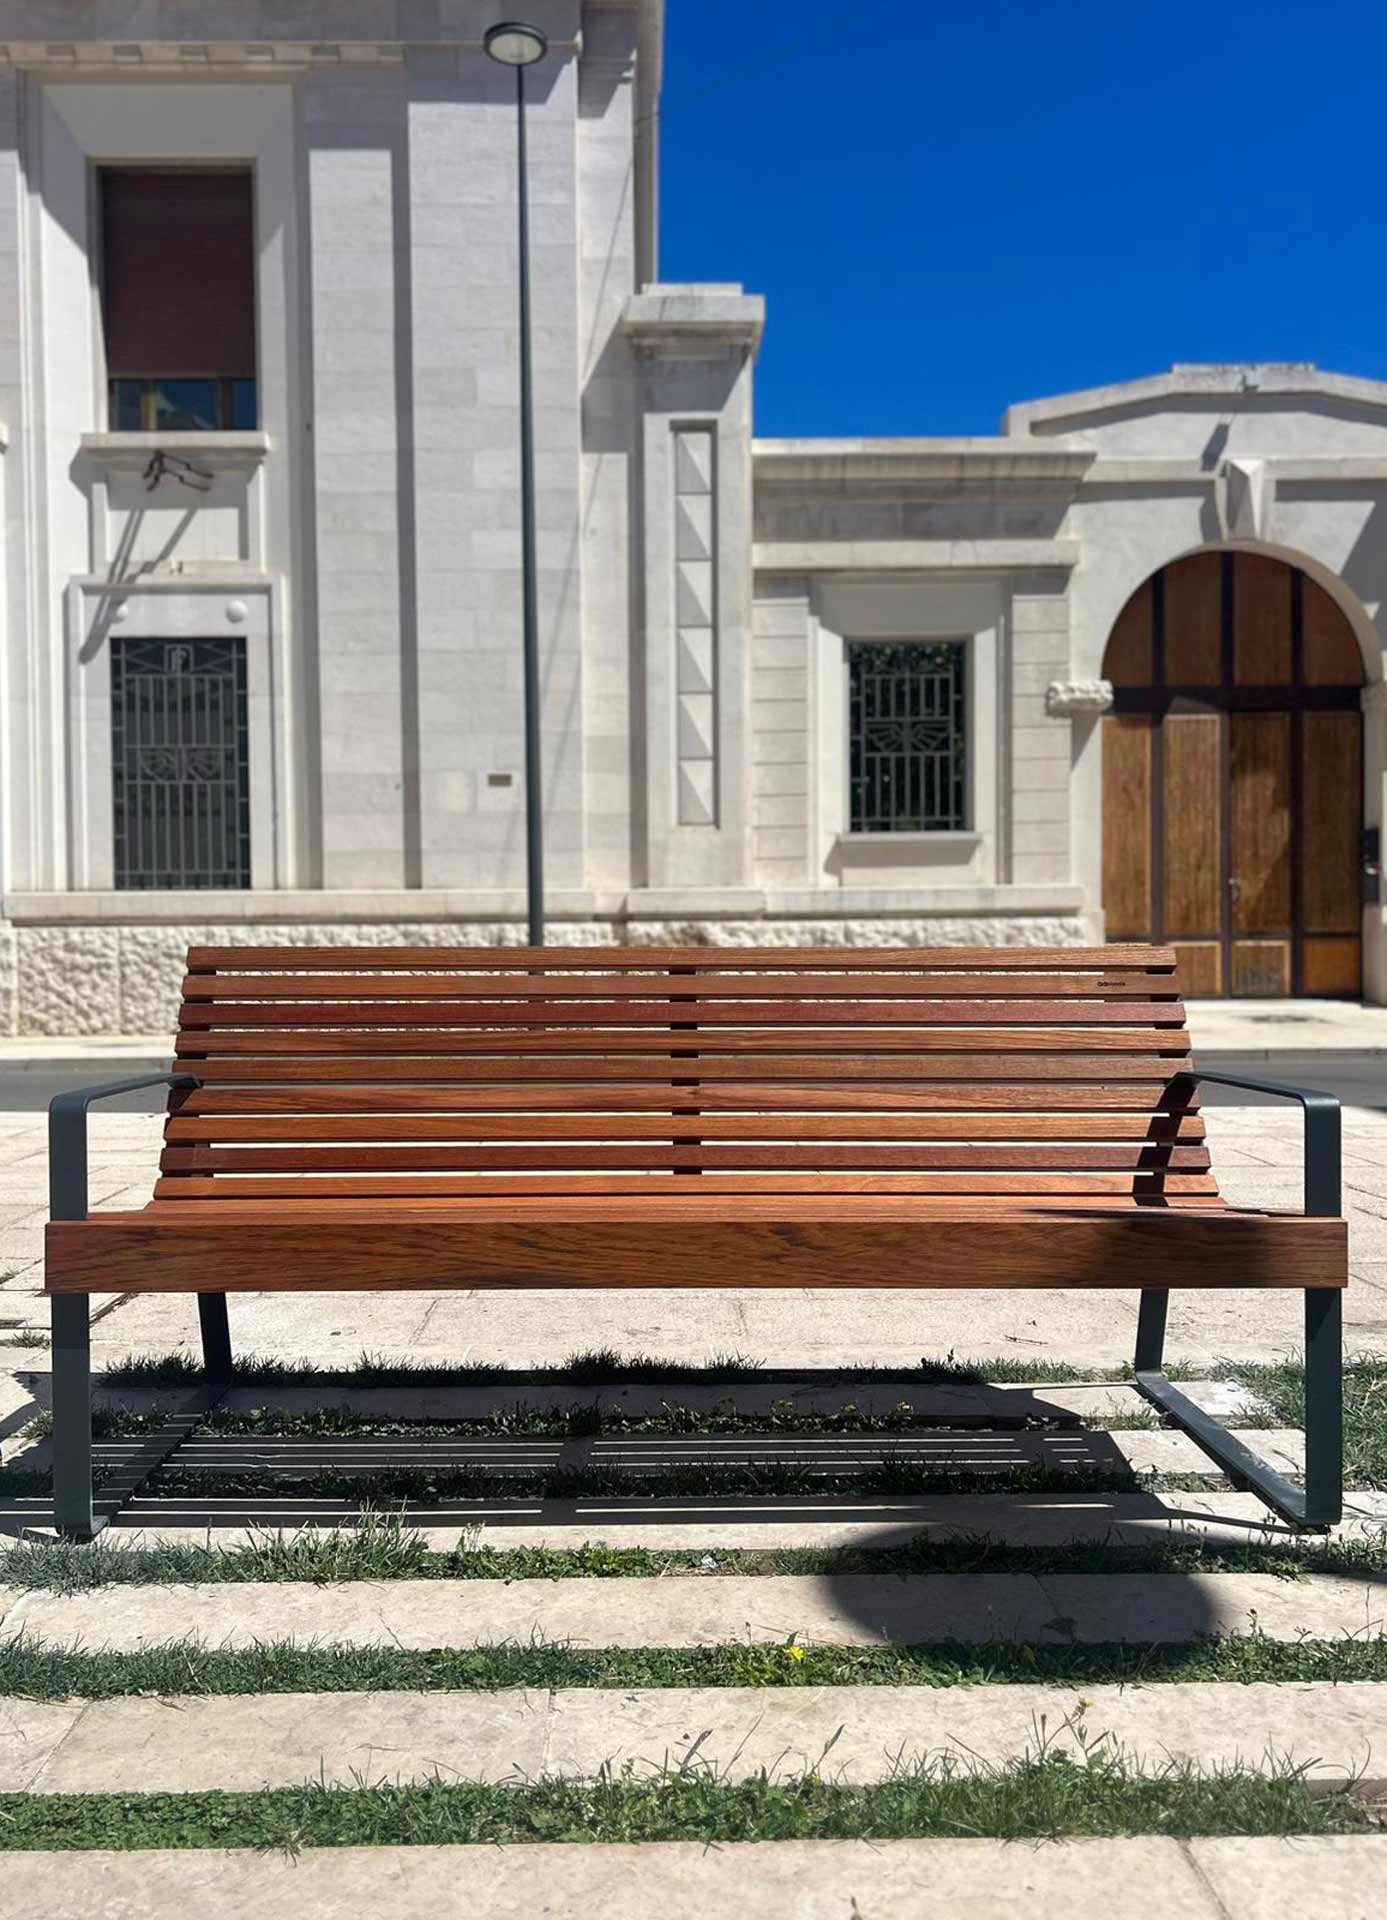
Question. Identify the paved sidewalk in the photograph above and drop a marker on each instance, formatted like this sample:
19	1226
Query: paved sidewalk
1330	1879
1271	1027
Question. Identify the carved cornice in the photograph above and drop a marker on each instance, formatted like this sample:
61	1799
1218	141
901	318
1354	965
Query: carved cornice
193	57
681	323
1066	697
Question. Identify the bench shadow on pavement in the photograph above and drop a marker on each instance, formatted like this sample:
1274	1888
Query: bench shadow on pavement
1018	1431
1022	1431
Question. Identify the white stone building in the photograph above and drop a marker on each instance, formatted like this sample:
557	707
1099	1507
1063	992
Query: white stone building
260	621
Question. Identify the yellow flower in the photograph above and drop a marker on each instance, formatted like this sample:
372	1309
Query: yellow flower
796	1653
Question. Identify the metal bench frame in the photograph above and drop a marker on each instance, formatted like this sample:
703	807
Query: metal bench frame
1321	1503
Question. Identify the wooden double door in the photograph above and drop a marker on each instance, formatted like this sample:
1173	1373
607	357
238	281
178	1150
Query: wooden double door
1233	778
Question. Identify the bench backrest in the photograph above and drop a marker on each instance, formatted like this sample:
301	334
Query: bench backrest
424	1072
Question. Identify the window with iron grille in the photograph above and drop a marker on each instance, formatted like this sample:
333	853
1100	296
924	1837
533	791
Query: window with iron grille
181	763
907	728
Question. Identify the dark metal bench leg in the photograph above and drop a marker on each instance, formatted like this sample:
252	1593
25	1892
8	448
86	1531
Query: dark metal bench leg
1151	1329
1322	1502
1324	1406
216	1337
73	1512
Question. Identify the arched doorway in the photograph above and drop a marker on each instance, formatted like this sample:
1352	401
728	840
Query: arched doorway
1233	777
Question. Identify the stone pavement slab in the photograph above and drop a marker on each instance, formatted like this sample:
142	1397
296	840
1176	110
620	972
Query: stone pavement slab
856	1735
855	1610
683	1610
30	1732
1160	1607
1329	1877
247	1741
793	1330
679	1880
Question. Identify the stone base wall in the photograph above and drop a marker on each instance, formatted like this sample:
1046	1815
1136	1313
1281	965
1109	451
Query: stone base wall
102	979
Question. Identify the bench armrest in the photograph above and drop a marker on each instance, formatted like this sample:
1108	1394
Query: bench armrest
1322	1133
67	1138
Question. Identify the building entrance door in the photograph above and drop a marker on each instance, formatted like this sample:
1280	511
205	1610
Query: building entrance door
1233	779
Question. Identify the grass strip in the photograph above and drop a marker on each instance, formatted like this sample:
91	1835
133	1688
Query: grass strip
455	1486
380	1548
526	1421
1282	1390
33	1670
598	1366
447	1487
1038	1798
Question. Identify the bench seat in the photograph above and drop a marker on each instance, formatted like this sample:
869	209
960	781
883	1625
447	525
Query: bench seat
687	1241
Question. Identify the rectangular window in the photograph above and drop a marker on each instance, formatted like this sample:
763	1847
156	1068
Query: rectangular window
178	297
181	763
907	728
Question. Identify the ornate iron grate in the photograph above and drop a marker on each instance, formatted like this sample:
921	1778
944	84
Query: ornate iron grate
181	763
908	736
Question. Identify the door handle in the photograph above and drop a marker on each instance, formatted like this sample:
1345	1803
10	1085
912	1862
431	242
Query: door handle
1235	885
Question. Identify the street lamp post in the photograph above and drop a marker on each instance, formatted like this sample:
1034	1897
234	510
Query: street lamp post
517	45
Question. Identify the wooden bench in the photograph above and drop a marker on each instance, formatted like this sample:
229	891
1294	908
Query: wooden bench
412	1117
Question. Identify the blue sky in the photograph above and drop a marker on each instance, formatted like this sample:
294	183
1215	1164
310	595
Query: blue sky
952	207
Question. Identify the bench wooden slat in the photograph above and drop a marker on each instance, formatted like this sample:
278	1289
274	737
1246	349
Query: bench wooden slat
721	1097
231	988
278	1064
308	959
615	1159
1177	1189
732	1241
736	1049
794	1127
748	1015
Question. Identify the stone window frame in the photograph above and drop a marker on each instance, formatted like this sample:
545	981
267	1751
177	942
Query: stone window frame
885	608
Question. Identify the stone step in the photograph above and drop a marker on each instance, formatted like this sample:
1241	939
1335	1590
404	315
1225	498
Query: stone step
708	1610
756	1880
854	1735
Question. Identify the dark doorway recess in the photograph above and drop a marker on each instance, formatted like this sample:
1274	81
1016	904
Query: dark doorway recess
1233	778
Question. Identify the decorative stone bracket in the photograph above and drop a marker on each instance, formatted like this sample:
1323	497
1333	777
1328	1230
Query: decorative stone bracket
1066	697
160	503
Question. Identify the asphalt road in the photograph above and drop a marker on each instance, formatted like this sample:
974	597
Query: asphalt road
1359	1080
27	1086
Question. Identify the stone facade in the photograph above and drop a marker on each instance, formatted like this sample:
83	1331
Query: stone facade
701	590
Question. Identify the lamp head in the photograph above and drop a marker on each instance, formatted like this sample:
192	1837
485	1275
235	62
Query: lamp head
515	44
